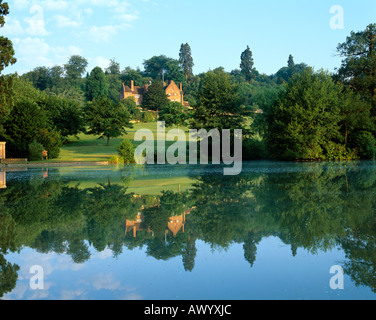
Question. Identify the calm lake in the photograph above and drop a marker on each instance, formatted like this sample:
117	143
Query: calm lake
189	232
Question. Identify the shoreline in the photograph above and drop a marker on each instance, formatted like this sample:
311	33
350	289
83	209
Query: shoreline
54	164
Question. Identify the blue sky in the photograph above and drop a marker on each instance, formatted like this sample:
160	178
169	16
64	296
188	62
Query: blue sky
48	32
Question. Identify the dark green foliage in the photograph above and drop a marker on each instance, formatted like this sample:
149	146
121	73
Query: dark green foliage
290	62
173	114
285	74
106	118
129	74
113	87
156	66
113	68
305	118
155	98
28	122
65	114
359	63
6	97
96	84
219	103
8	276
52	141
366	144
76	66
35	151
126	151
147	117
6	58
174	71
163	68
186	60
254	149
246	64
130	105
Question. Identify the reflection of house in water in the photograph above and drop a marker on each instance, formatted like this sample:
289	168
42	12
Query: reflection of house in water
3	180
2	150
175	224
134	225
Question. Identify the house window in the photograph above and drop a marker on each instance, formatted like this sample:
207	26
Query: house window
137	96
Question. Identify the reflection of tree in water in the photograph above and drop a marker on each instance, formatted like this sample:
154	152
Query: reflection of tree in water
8	271
359	242
223	208
315	207
250	247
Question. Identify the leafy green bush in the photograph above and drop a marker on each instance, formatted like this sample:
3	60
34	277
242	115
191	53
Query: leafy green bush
335	151
254	149
366	143
116	160
51	139
147	117
126	151
35	151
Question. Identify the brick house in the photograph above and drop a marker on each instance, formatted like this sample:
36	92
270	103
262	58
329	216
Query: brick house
173	92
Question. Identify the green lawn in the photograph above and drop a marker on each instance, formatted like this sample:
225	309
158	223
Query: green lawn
89	148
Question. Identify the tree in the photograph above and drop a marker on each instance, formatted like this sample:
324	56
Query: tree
126	151
290	62
185	60
113	86
156	97
219	104
75	67
65	114
246	64
28	122
113	68
6	58
358	68
96	84
107	119
305	122
174	71
130	105
129	74
173	114
156	66
285	74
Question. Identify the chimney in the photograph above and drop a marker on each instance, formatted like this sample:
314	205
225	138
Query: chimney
181	86
132	85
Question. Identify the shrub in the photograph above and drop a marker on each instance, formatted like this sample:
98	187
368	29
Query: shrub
116	160
35	151
52	141
147	117
366	143
126	151
335	151
254	149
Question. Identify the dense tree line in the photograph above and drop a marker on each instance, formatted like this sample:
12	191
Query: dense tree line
295	114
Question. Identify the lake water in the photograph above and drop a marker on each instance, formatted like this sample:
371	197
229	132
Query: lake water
188	232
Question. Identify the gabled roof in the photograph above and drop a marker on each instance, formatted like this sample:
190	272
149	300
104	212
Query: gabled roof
137	89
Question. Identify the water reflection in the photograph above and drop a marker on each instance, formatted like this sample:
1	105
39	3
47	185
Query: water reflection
3	181
317	207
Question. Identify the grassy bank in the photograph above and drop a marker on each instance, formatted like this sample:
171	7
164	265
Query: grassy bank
89	148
